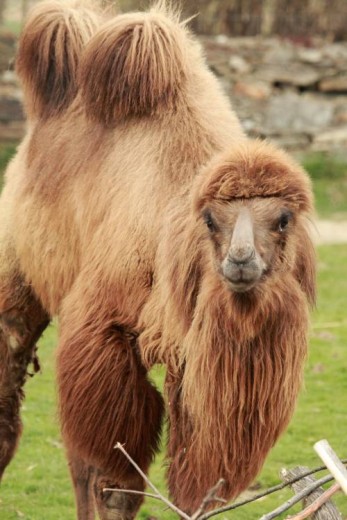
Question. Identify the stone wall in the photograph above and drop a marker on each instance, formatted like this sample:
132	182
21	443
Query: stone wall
293	94
11	112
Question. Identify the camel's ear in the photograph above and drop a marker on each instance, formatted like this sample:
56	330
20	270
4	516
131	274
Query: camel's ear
135	65
49	51
305	265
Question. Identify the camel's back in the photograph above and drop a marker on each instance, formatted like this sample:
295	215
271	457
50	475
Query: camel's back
91	196
96	172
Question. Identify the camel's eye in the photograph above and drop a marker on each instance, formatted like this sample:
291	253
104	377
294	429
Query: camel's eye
284	220
209	221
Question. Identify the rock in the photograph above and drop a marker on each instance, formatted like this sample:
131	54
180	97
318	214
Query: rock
297	74
239	65
313	56
279	54
10	109
331	139
334	84
7	49
336	53
9	77
253	89
299	114
12	132
292	141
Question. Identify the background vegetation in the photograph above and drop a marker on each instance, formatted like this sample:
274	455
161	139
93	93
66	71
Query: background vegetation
37	483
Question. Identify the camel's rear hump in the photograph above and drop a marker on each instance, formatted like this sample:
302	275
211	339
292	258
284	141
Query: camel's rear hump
135	65
49	50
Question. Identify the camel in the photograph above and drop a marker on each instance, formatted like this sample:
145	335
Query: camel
138	212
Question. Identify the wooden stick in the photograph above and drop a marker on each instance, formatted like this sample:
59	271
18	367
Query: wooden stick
317	504
333	463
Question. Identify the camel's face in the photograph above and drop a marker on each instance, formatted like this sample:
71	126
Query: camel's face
248	238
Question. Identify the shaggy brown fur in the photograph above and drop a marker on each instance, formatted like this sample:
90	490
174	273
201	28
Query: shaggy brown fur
111	196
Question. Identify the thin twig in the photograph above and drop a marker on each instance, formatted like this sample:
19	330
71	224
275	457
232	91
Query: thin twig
172	506
318	503
210	497
134	492
263	494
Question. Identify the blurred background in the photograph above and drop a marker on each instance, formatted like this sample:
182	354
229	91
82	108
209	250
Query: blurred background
283	63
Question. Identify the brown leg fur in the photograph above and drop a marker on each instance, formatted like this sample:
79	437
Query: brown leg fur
179	434
105	398
22	321
83	477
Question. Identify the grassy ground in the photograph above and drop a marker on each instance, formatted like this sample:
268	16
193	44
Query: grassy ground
329	175
37	485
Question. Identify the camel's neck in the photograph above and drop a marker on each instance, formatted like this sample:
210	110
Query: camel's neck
243	369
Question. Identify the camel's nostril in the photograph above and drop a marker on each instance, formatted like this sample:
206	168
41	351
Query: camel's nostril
241	255
242	259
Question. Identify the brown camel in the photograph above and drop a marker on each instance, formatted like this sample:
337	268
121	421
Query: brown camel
137	211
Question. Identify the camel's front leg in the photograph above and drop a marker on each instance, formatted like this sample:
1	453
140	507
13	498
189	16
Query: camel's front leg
83	477
105	397
22	321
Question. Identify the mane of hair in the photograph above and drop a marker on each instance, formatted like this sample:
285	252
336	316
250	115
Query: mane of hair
135	65
235	361
49	51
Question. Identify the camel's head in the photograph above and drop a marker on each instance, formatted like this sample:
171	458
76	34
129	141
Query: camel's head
252	203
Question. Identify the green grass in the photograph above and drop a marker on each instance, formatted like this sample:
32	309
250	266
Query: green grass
37	484
329	175
6	152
